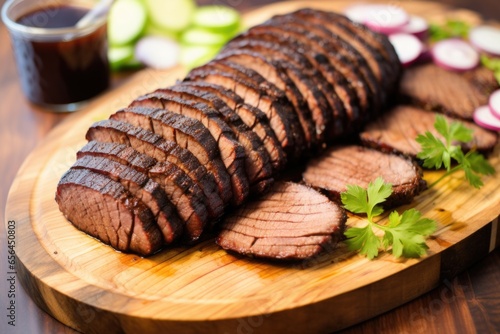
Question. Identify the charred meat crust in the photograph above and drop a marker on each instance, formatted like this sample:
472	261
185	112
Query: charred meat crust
257	160
343	85
141	187
254	118
306	97
108	212
282	119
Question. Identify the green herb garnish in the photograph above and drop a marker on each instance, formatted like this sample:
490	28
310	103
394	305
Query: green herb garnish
450	29
493	64
404	234
436	153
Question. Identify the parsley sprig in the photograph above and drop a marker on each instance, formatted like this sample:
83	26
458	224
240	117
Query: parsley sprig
437	153
404	235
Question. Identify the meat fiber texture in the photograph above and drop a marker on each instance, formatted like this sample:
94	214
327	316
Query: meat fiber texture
174	161
454	94
340	166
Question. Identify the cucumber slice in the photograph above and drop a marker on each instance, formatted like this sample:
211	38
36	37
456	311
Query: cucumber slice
126	22
173	15
119	55
217	18
196	55
197	36
152	30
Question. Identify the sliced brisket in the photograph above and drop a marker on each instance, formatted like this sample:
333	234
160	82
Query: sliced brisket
253	117
292	221
282	119
346	87
103	208
145	164
455	94
355	165
308	100
142	188
160	149
345	52
397	130
192	135
257	161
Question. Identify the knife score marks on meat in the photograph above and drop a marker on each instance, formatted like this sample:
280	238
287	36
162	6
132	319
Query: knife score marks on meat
172	163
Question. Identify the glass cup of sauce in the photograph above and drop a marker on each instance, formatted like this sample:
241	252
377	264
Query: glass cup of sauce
60	66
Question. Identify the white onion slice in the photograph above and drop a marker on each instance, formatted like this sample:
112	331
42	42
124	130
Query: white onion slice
455	54
357	13
386	19
157	52
494	103
484	118
486	38
417	26
408	47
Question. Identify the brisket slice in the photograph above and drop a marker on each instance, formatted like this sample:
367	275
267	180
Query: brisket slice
292	221
378	41
254	118
103	208
306	97
355	165
347	84
372	46
160	149
397	130
118	152
382	70
455	94
231	169
257	161
145	164
192	135
323	101
153	145
283	122
142	188
268	90
338	47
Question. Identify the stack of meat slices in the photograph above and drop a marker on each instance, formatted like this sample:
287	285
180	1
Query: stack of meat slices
169	165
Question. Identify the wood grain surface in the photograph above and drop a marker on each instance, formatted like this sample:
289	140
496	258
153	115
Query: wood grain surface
466	303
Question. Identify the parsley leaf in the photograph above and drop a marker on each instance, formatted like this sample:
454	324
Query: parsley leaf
435	153
360	200
364	240
451	28
404	235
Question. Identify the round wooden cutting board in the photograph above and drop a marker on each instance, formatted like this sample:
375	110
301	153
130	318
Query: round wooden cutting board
199	289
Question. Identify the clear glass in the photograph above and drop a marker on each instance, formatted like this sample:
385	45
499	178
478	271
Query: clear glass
59	68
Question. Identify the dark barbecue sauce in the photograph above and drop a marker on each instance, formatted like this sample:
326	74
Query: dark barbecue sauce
63	71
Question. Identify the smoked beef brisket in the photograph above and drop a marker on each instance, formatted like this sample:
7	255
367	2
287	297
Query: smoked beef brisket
178	159
397	130
292	221
455	94
340	166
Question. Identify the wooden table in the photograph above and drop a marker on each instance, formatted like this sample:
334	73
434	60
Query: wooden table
466	304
